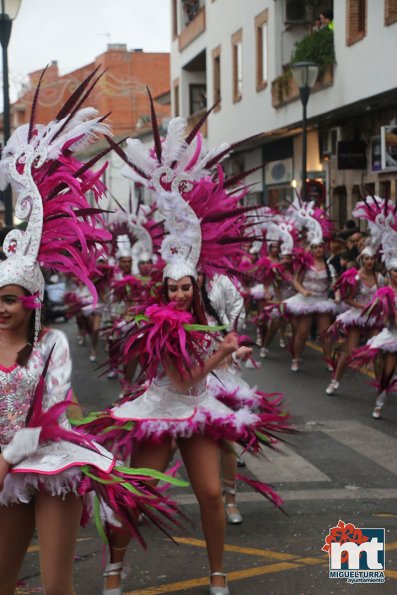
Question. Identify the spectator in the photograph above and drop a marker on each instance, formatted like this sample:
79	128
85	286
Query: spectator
327	19
317	25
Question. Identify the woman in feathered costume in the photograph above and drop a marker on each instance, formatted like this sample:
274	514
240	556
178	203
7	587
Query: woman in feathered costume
205	225
381	312
45	466
313	283
357	288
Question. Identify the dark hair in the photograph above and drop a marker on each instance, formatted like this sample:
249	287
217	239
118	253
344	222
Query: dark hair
209	308
197	304
24	354
328	13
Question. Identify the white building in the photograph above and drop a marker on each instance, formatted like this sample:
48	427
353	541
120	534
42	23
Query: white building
236	50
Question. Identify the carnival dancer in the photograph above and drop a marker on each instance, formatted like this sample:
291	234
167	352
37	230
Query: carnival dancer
381	311
357	289
204	225
45	467
279	232
313	282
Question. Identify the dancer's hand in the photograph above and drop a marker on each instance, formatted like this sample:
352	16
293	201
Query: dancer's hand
307	293
244	353
4	467
229	343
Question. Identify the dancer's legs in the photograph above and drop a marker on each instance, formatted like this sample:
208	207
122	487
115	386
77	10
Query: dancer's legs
351	343
16	530
152	457
323	322
201	458
58	522
303	325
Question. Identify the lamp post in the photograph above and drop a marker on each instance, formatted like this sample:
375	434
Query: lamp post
9	11
305	75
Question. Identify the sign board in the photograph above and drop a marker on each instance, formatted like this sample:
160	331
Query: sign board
389	147
352	154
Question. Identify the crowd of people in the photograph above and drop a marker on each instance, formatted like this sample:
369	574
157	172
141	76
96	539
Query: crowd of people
169	287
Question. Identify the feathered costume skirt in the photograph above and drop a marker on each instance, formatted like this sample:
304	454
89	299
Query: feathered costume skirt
299	305
54	468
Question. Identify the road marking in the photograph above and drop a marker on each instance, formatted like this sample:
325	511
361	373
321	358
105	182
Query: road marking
375	446
295	564
241	550
282	466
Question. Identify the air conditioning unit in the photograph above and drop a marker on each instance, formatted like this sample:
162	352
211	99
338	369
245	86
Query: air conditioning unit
296	12
331	138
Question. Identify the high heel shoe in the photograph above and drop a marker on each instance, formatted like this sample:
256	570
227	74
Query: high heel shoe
232	517
113	569
219	590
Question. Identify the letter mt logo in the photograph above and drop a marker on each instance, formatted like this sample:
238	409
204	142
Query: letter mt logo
357	555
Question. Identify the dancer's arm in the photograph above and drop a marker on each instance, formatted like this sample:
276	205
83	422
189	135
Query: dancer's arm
198	373
4	467
297	283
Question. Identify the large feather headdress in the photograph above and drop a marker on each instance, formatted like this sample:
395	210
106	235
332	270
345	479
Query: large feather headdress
63	232
205	222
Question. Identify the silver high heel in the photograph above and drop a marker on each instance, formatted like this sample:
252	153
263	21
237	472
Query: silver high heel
233	518
379	403
219	590
113	569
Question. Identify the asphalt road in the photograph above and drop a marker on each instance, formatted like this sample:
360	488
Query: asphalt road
343	465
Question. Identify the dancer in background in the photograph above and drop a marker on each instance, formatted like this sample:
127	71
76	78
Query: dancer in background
314	281
357	290
381	312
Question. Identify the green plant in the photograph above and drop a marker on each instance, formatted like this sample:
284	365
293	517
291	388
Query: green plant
282	84
317	47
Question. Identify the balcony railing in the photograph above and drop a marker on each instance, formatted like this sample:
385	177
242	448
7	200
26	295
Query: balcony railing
192	30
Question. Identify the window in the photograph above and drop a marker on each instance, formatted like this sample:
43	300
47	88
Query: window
216	73
261	50
175	86
237	59
356	20
390	12
197	98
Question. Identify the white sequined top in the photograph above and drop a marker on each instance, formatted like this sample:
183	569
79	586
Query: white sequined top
318	281
18	383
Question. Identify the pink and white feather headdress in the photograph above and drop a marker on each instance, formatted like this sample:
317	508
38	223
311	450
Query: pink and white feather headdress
205	223
63	231
313	219
380	214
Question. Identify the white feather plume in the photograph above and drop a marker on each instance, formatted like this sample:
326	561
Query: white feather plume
174	143
139	156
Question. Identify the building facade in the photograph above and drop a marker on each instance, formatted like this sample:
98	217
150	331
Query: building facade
238	54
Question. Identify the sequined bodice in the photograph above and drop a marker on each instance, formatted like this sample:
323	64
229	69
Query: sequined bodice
17	388
365	293
316	282
18	383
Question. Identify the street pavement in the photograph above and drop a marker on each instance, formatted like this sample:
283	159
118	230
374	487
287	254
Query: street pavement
341	466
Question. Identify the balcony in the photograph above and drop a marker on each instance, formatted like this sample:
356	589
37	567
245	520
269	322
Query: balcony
285	90
192	30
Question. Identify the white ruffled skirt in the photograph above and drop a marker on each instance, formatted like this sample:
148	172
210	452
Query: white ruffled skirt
53	468
299	305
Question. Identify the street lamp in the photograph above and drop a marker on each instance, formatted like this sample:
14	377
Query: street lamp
305	75
9	11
